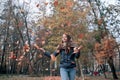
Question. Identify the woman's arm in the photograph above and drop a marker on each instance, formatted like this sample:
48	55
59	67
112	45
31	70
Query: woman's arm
56	53
52	56
46	53
43	50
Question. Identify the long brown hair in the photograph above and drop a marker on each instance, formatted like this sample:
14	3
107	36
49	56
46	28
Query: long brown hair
67	45
68	37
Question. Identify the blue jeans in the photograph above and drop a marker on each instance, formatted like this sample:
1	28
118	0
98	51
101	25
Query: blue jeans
67	74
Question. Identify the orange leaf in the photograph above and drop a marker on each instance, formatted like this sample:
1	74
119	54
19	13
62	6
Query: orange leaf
69	3
26	48
62	8
68	23
21	57
46	3
81	35
55	3
12	55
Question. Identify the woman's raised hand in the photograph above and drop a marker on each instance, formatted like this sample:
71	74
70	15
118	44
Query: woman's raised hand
36	46
80	47
77	49
43	50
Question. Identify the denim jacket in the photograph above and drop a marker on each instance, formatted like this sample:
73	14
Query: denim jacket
67	60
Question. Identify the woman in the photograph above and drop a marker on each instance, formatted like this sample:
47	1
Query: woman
68	53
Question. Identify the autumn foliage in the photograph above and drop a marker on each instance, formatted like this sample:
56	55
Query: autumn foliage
105	49
56	3
12	55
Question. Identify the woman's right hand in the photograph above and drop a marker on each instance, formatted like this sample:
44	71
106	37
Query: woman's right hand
43	50
35	45
80	47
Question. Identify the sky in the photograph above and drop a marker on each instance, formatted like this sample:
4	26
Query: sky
107	2
35	12
35	9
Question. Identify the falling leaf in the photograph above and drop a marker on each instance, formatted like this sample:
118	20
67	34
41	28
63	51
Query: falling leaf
55	3
62	8
26	48
20	24
46	3
40	56
43	42
37	39
20	58
75	0
37	5
26	2
81	36
21	10
36	46
47	33
68	23
30	30
69	3
9	45
97	46
32	33
17	42
100	21
12	56
19	63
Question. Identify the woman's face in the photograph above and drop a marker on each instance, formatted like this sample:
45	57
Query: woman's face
64	38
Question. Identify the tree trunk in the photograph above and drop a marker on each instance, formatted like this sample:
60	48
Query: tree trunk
79	74
119	56
82	75
110	62
103	69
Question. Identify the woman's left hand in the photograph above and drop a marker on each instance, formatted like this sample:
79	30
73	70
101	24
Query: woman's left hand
77	49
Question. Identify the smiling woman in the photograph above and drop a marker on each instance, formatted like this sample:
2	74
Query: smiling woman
69	53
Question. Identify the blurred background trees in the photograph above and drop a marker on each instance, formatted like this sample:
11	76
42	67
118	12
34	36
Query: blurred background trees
26	23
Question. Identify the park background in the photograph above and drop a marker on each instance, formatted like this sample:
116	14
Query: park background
26	25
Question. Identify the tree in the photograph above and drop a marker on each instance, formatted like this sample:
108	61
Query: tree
102	22
68	17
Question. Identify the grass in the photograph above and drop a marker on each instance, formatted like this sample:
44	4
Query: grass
28	77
